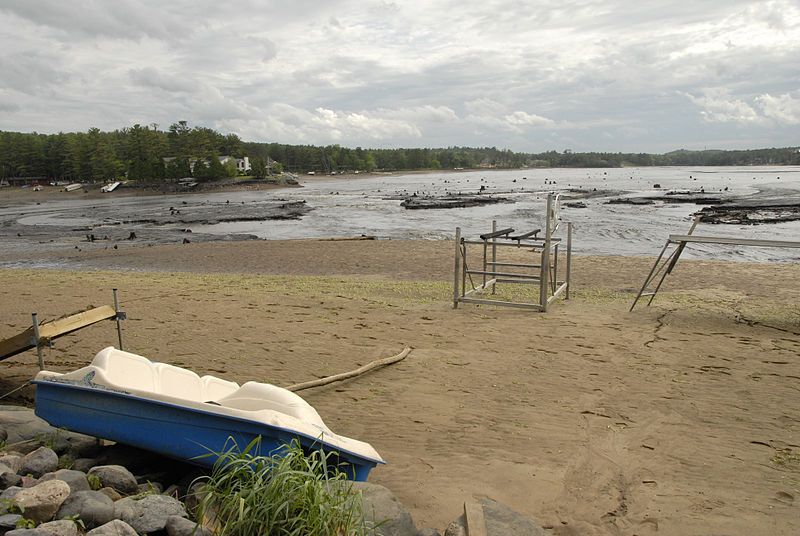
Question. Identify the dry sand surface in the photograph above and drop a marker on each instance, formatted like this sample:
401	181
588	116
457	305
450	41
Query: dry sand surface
681	418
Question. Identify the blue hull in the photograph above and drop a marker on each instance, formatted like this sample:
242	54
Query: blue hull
174	431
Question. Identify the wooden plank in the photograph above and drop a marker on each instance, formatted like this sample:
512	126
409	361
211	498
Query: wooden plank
64	326
17	344
54	329
733	241
475	520
495	234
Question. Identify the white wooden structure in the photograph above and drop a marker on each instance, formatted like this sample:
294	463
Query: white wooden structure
665	267
542	272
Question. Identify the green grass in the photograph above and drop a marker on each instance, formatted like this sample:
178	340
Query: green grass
291	493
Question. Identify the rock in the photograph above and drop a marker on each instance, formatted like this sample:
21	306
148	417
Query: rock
40	461
23	426
382	507
115	476
9	479
115	527
3	435
8	522
429	532
42	501
456	528
83	446
500	521
94	508
10	493
63	527
180	526
111	493
12	461
151	487
25	532
84	464
149	513
27	481
75	479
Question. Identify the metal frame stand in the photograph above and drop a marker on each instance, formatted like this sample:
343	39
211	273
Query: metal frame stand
542	272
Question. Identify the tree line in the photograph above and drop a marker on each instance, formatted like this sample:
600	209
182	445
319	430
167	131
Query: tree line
149	154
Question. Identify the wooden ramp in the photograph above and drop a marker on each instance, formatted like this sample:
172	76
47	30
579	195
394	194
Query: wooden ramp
54	329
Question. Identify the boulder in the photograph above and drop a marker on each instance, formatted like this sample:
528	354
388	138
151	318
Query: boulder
26	532
75	479
149	513
12	461
92	507
10	493
151	487
500	521
84	464
9	479
42	501
382	508
8	522
116	477
63	527
40	461
115	527
180	526
111	493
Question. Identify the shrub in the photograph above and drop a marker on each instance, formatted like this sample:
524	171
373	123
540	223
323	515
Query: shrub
291	493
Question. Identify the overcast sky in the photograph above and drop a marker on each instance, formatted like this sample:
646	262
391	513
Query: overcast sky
605	75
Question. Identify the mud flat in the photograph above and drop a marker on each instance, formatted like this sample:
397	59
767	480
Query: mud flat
450	201
752	213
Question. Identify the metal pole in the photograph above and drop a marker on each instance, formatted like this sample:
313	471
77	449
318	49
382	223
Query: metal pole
494	252
456	268
569	257
546	255
35	341
117	311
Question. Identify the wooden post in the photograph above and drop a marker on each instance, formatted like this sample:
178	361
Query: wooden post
36	340
569	257
117	318
456	268
475	519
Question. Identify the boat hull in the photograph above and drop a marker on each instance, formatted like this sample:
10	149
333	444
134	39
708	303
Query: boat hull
175	431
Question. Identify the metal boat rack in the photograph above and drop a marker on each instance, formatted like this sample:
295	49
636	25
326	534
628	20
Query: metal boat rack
543	271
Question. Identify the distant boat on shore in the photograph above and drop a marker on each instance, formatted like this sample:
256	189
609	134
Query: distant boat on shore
110	187
72	187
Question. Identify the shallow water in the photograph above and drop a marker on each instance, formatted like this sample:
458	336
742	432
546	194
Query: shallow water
350	207
370	206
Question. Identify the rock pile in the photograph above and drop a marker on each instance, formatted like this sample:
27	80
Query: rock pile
58	483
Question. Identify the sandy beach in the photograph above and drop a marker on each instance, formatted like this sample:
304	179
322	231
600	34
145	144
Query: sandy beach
680	418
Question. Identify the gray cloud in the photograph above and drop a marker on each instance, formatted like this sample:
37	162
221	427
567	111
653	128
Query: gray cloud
555	74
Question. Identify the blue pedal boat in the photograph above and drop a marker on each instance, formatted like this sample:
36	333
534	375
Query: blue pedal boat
159	407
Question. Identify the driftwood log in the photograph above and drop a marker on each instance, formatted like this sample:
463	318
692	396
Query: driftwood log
352	374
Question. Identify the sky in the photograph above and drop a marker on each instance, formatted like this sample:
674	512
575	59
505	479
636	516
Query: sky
530	76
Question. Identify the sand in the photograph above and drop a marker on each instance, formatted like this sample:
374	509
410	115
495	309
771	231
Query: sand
680	418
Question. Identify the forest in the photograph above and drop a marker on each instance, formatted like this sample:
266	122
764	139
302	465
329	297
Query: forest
149	154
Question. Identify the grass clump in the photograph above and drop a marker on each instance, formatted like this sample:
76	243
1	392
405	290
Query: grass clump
289	493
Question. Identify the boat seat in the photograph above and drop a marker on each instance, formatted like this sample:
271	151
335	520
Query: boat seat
125	369
254	396
215	388
177	382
